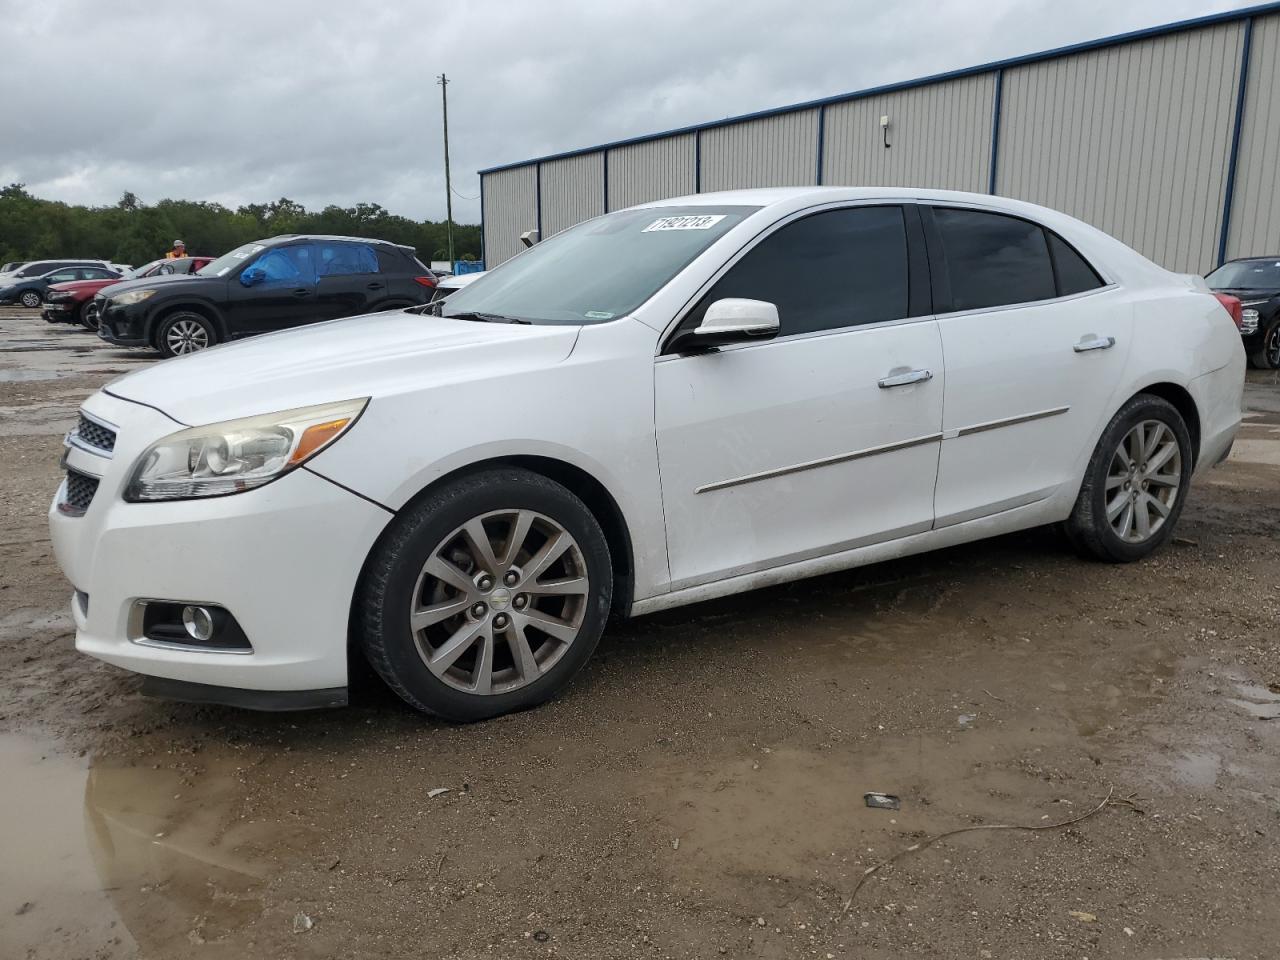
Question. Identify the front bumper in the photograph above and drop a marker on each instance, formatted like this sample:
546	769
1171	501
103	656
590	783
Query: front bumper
125	326
59	311
283	559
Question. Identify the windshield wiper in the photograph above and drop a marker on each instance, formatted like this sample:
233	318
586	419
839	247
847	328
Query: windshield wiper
487	318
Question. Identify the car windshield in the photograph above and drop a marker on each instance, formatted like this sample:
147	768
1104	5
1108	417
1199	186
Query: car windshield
229	261
143	270
1246	275
601	269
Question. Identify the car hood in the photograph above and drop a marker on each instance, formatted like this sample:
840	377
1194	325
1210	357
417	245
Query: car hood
165	279
378	354
80	286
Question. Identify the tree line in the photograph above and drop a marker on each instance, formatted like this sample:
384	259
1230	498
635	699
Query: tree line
135	233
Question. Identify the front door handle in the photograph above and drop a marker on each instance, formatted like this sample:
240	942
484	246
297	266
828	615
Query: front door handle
1094	343
301	292
374	286
902	379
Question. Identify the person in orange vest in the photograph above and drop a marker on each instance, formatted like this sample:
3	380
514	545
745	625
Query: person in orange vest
179	250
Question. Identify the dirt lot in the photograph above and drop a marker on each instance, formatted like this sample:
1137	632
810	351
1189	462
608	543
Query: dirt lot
699	790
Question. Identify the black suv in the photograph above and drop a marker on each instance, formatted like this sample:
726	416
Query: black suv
1256	282
268	285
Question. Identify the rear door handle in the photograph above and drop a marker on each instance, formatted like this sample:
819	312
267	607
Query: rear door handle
902	379
1094	343
375	286
301	292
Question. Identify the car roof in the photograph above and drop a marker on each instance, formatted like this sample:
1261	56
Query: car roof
329	236
1253	259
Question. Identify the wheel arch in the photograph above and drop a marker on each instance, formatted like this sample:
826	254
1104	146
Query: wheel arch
204	309
1183	402
586	487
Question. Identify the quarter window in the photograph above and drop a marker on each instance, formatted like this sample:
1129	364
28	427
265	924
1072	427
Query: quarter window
1073	271
994	260
830	270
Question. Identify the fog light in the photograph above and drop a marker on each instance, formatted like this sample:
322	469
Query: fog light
198	622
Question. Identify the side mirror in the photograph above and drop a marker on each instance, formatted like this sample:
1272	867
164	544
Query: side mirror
732	320
252	275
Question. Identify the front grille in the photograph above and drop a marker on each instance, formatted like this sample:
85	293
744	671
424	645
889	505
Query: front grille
80	490
96	435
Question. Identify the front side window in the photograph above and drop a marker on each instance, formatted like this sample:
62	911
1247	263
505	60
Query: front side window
283	265
346	259
994	260
38	269
840	268
63	276
599	270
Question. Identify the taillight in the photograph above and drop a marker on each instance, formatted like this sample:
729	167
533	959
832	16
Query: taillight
430	282
1234	307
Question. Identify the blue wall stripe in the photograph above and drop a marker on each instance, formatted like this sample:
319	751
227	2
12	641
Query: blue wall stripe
1230	16
537	189
822	136
484	254
605	160
997	100
1235	142
697	161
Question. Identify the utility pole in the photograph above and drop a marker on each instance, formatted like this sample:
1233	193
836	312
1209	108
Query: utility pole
448	185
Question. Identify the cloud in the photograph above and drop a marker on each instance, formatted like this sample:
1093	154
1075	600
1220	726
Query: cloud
336	102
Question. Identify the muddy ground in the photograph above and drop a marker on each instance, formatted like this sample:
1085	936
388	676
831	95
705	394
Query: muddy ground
699	790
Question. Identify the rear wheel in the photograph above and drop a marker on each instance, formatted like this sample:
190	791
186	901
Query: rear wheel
1267	356
486	597
1135	484
184	332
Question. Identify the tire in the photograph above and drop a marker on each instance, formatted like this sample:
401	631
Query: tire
88	315
31	299
1267	356
1108	523
184	332
469	616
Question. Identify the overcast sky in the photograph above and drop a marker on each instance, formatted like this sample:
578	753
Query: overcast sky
328	102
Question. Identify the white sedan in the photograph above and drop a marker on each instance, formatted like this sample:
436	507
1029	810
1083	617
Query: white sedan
665	404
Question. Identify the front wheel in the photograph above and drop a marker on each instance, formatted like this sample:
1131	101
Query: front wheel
183	333
1135	484
1267	356
487	596
31	298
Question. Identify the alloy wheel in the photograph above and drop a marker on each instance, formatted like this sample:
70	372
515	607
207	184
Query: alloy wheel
91	315
1143	480
1271	349
186	336
31	299
499	602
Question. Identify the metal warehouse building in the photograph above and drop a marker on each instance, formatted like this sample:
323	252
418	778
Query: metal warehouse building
1167	138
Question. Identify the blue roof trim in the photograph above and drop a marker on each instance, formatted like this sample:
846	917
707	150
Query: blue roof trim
1229	16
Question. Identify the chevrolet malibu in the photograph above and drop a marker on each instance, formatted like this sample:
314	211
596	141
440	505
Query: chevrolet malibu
669	403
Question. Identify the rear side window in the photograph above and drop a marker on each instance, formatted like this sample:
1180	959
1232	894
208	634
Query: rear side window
1072	270
994	260
831	270
96	273
345	259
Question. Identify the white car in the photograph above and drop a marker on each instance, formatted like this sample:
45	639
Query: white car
665	404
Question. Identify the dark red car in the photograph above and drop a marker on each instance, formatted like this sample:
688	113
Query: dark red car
73	302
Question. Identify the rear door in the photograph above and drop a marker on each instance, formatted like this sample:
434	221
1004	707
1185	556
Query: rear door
825	438
350	279
1035	341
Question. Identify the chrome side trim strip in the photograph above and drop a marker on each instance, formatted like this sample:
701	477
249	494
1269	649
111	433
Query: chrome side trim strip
1010	421
876	451
823	462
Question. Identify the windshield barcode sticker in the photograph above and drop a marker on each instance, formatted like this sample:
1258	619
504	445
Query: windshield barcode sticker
684	223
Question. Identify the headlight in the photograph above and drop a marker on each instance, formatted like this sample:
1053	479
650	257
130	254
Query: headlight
237	455
133	296
1248	320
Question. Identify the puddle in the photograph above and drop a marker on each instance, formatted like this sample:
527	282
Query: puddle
149	860
24	376
1257	701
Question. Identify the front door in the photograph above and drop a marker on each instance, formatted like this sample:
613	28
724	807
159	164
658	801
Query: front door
275	291
823	439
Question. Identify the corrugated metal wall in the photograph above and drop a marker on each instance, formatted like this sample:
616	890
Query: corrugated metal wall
510	208
1255	206
775	151
653	170
1133	139
1133	136
939	135
572	191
